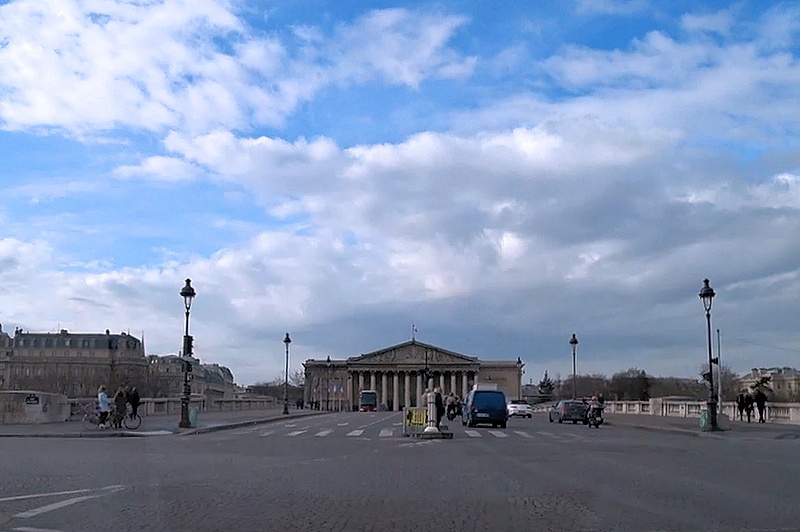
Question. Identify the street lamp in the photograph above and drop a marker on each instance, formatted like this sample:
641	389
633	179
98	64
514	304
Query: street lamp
187	293
574	343
519	378
707	296
328	384
286	341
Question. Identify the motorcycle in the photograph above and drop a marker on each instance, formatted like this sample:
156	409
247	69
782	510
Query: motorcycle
594	416
452	412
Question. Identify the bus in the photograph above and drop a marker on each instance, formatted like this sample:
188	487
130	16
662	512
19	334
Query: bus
368	401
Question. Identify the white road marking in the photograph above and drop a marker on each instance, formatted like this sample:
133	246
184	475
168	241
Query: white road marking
355	433
381	420
32	529
323	433
546	433
473	434
498	434
397	424
523	433
296	433
38	495
266	433
385	433
342	424
102	492
290	425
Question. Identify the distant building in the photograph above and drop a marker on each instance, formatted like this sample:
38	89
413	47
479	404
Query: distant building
74	364
165	378
784	382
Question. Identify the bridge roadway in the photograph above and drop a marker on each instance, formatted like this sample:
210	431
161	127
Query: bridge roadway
354	472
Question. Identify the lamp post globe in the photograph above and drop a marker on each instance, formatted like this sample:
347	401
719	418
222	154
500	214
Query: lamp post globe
188	294
706	295
286	340
573	342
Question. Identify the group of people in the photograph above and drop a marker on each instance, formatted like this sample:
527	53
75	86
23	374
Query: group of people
745	402
443	404
117	410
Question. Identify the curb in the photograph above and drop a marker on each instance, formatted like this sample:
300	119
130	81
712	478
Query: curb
241	424
673	430
97	434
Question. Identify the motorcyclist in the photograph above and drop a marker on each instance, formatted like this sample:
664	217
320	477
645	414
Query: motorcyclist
450	405
594	409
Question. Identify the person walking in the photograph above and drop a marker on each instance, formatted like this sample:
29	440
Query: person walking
740	404
748	406
134	400
761	404
103	405
120	404
439	405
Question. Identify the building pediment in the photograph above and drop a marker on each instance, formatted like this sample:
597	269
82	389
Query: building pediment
413	353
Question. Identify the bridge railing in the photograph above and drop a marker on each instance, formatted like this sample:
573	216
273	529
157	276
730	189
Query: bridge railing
172	405
775	412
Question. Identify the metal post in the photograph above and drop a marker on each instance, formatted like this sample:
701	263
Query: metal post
431	428
574	343
187	386
719	374
712	398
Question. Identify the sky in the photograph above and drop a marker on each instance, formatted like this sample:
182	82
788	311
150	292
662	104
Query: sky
499	175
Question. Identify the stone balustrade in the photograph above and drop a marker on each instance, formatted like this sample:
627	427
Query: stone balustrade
775	412
172	405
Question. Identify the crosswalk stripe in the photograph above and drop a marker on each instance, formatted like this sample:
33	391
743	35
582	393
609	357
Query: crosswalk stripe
542	433
296	433
357	432
523	433
473	433
498	434
266	433
323	433
385	433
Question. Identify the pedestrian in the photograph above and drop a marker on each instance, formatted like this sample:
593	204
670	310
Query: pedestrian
601	399
748	406
424	398
134	400
761	404
740	404
120	404
439	405
103	405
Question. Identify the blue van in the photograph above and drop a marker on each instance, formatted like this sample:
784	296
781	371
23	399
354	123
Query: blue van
486	407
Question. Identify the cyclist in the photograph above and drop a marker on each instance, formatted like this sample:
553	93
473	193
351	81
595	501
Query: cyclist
133	399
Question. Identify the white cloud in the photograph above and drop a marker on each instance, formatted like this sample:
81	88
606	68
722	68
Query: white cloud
159	168
720	22
611	7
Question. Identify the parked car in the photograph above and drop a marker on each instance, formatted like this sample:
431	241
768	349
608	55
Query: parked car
574	411
485	407
519	407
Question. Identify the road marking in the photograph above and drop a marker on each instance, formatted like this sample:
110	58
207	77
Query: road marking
523	433
546	433
32	529
381	420
385	433
322	433
355	433
296	433
265	433
342	424
498	434
397	424
473	434
290	425
102	492
38	495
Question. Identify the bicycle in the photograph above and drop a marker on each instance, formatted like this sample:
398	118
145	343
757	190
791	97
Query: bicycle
132	421
91	420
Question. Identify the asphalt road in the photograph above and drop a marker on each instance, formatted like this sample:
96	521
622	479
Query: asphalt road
354	472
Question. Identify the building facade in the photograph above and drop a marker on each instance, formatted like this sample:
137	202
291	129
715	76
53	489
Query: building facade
783	382
165	378
73	364
397	374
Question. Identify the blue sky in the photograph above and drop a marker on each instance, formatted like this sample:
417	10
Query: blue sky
501	176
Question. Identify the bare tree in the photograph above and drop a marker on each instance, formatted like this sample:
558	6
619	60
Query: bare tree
297	378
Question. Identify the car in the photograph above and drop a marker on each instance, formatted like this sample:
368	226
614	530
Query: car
519	407
485	407
566	410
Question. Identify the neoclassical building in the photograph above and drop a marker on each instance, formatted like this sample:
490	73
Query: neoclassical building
397	374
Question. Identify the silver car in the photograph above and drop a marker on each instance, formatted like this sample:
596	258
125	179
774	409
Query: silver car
574	411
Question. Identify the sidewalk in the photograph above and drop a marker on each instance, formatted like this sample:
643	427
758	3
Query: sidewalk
155	425
691	426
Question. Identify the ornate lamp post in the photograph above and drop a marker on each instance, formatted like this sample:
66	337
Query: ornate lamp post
574	343
520	371
187	293
286	341
707	296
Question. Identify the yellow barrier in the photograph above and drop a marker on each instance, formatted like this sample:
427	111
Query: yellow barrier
414	420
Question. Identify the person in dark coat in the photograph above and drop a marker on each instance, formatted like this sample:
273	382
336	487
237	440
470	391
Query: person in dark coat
740	404
748	406
120	402
439	405
761	404
134	400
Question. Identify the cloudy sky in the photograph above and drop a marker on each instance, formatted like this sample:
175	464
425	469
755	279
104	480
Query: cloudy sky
502	175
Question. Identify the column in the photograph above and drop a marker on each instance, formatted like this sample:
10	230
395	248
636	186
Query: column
418	391
464	384
384	388
373	378
395	391
441	381
453	383
407	389
349	402
360	380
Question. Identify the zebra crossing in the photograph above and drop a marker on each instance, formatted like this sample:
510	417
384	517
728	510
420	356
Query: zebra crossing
343	430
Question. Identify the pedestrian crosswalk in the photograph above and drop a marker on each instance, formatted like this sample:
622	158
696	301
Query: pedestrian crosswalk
370	432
